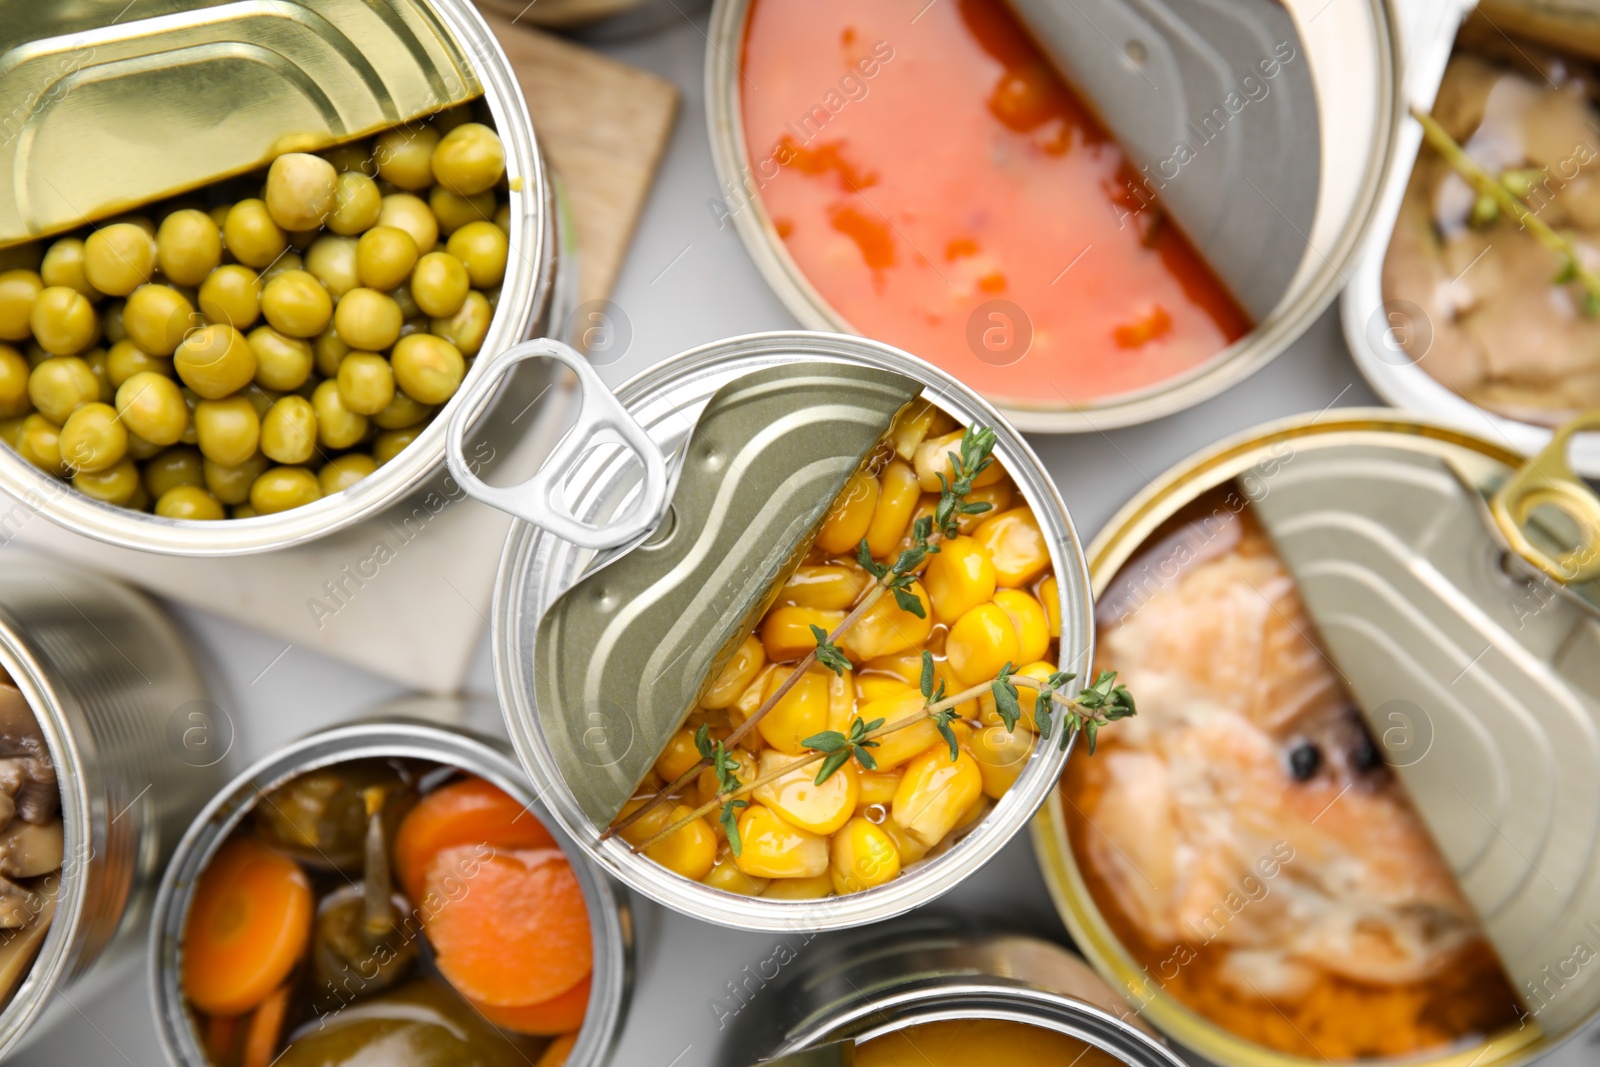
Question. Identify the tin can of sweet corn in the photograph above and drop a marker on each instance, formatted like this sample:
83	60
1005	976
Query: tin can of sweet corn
412	730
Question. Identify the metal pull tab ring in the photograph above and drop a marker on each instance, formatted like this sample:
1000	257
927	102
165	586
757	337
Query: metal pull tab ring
601	418
1547	481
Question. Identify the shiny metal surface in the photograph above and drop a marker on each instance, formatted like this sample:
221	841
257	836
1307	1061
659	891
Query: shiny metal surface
392	733
536	568
115	692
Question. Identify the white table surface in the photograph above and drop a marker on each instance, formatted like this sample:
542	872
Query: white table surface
687	282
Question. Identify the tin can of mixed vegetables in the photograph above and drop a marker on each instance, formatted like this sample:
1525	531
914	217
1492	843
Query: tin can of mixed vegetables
425	744
1324	840
134	746
599	479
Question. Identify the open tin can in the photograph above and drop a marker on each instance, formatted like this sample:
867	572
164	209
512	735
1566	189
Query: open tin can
135	746
183	74
1381	866
611	473
386	737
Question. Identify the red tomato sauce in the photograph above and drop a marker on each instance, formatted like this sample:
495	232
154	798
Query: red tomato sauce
945	191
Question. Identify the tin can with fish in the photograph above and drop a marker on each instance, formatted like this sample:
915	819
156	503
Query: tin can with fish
1325	840
933	991
612	667
293	800
103	682
214	94
925	177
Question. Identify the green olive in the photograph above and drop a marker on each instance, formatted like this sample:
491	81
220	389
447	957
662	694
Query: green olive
57	387
141	222
332	261
119	258
231	295
391	443
439	285
468	327
151	405
340	474
18	290
402	412
502	218
411	214
116	484
40	444
454	210
63	265
469	159
188	246
229	429
93	438
481	247
125	359
282	488
189	502
289	431
329	351
356	205
14	376
282	363
404	156
366	383
156	318
231	484
337	426
63	322
367	320
215	361
384	257
296	304
252	237
428	369
172	467
300	190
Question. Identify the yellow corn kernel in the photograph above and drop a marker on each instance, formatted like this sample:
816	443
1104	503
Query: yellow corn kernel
934	793
898	494
850	516
1050	597
801	712
829	586
706	785
907	667
876	686
933	457
786	631
737	674
977	810
997	496
679	755
959	578
897	747
841	701
862	856
772	848
980	643
797	797
916	422
911	850
799	888
1028	620
885	628
1016	544
1001	756
876	787
726	876
689	851
989	715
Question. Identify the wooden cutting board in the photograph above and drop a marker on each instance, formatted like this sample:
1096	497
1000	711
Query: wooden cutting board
417	616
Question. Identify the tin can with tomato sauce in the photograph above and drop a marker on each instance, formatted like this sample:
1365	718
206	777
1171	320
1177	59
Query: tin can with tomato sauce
1323	840
413	731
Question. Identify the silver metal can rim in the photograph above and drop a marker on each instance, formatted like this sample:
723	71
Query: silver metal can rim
532	264
1270	337
407	738
533	560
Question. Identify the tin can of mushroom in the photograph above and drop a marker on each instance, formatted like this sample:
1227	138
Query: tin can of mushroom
413	731
135	747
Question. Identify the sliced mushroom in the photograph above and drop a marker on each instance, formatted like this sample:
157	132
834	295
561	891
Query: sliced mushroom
27	773
28	850
18	905
17	947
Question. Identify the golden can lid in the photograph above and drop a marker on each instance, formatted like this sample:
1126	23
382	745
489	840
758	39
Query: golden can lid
103	112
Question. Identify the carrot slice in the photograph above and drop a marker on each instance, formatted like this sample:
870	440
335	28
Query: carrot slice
266	1025
466	812
511	928
558	1051
247	927
557	1015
